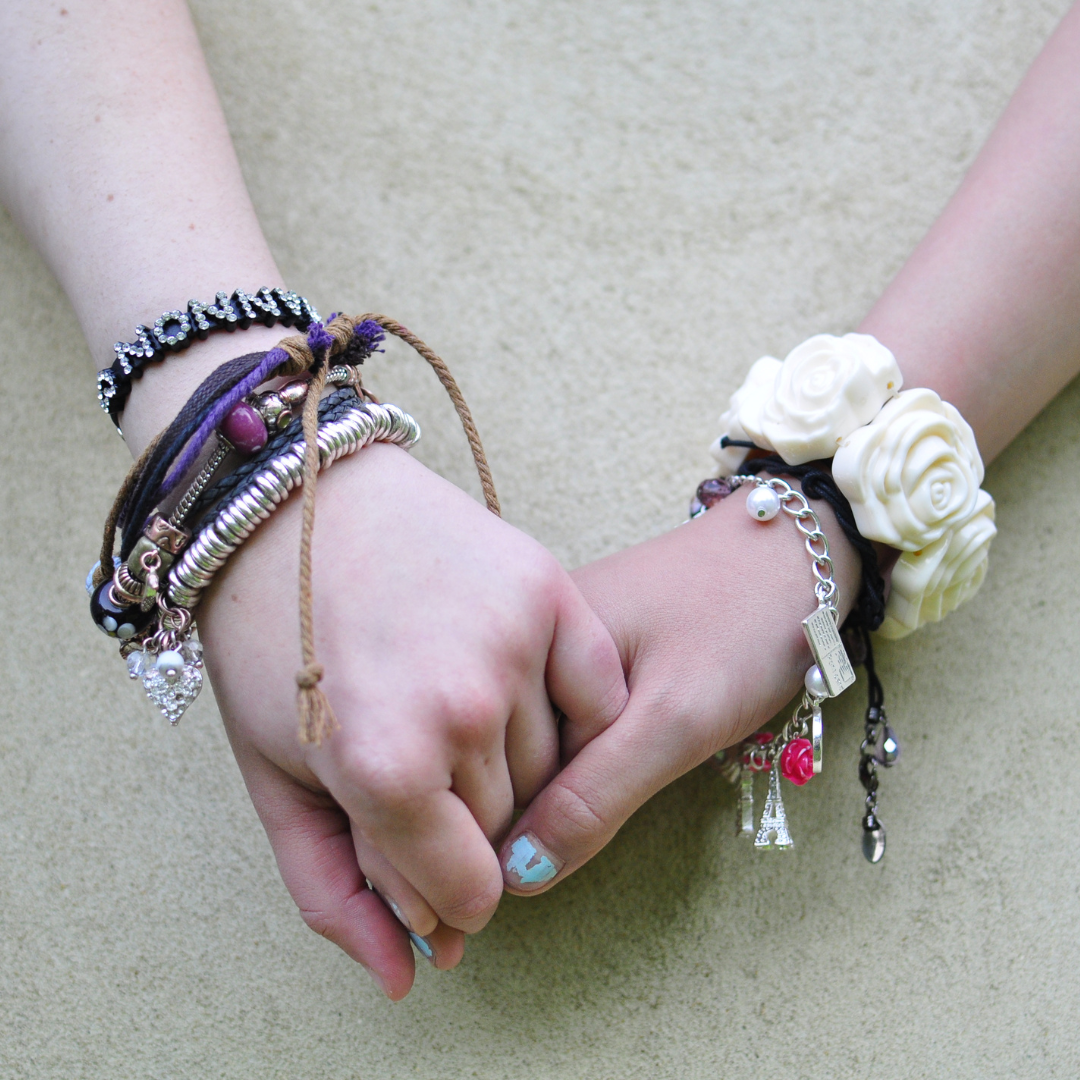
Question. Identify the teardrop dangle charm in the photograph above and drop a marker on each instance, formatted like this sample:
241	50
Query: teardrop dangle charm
873	839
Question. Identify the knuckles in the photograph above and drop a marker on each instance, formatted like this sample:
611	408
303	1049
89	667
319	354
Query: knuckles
472	910
578	819
472	714
386	779
324	923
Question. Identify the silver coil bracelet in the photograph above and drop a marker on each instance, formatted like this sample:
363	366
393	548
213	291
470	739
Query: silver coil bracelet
268	488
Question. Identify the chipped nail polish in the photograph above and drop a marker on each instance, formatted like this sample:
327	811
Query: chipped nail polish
422	946
529	864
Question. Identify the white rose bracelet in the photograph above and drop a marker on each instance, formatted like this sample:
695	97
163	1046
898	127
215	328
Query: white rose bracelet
906	472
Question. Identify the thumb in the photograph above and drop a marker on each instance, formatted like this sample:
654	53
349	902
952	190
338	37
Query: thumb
583	807
585	679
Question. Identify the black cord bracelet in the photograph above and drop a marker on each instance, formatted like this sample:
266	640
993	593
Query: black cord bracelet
176	330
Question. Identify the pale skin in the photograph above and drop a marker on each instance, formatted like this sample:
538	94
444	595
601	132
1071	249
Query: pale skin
703	619
987	313
448	636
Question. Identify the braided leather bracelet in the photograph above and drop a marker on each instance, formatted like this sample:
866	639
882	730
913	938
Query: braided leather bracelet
332	407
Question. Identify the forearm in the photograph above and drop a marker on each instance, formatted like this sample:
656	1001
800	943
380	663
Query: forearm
987	309
116	161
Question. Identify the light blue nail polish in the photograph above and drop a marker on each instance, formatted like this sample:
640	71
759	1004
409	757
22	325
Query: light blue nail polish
522	852
422	946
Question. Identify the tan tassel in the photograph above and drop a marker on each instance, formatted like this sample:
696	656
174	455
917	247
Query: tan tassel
317	720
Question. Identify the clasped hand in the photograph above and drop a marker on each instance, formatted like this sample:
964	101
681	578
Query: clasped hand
449	640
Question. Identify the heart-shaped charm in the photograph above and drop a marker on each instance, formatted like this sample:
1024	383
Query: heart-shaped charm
172	679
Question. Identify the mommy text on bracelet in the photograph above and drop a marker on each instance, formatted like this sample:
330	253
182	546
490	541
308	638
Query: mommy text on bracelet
176	330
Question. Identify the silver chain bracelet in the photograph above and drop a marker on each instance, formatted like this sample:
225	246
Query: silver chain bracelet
796	750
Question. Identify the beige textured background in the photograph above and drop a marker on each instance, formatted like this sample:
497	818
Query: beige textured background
601	214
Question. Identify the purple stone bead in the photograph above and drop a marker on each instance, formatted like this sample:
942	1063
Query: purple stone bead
710	492
244	428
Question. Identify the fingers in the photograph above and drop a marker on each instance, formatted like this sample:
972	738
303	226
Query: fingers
585	677
407	905
439	944
442	947
315	856
532	751
424	831
584	806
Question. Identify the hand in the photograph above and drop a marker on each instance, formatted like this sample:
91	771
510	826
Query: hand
707	619
443	632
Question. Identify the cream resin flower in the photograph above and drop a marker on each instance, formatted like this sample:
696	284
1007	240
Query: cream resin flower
827	387
913	473
745	408
928	584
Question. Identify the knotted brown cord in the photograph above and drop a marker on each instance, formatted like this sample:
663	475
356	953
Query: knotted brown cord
317	720
451	387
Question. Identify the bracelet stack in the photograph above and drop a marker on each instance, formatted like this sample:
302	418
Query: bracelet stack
905	472
232	455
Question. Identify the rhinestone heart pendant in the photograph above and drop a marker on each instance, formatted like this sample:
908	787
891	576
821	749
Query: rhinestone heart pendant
172	679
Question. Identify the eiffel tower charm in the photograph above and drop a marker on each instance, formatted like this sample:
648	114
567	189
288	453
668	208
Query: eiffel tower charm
773	833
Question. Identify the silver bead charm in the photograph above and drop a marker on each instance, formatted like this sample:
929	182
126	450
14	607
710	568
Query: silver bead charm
763	504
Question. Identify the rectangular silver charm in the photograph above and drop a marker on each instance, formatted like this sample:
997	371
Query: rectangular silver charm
828	650
746	804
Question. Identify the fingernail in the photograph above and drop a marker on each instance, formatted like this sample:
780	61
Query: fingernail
391	905
529	864
423	946
377	979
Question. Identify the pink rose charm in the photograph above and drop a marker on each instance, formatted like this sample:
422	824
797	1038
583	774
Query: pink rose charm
797	761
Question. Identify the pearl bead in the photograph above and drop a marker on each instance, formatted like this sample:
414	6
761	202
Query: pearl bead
763	504
815	683
170	663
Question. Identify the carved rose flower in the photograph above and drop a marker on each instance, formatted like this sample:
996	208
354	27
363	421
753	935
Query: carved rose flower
797	761
928	584
913	473
745	406
827	387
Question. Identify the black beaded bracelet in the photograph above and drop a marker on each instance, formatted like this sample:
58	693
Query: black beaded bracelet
177	330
